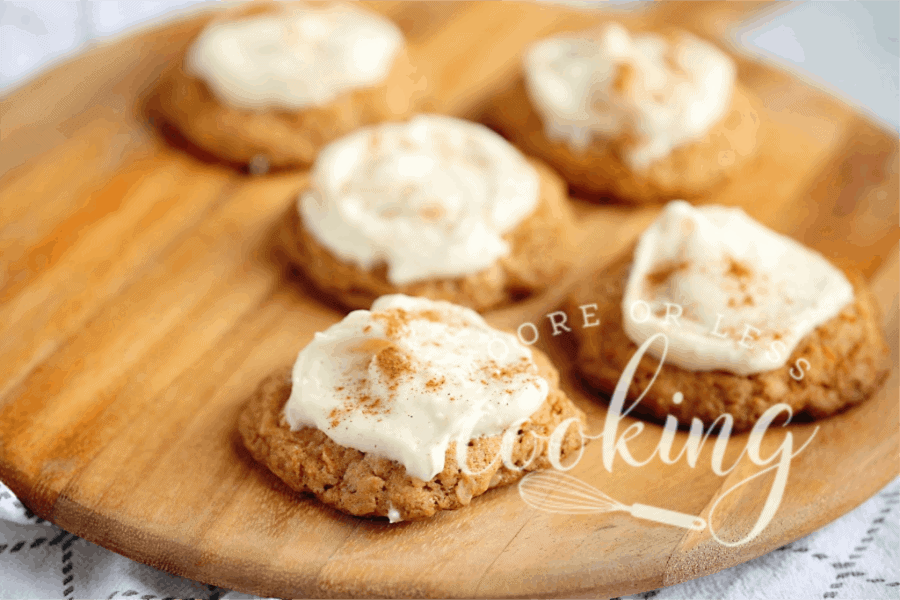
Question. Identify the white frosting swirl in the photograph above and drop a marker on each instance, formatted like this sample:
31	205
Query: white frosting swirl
299	57
656	94
409	377
740	296
431	197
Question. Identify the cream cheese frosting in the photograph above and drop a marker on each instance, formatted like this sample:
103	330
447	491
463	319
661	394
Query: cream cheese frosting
302	56
408	377
728	293
609	84
431	197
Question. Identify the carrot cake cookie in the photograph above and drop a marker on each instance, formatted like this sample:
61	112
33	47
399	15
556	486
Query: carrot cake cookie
273	82
435	207
631	117
740	317
410	408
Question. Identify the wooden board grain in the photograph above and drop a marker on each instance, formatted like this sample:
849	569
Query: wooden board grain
142	299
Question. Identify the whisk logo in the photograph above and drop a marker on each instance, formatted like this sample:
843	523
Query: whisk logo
553	491
560	492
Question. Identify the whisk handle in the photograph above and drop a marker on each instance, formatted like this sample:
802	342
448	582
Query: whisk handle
668	517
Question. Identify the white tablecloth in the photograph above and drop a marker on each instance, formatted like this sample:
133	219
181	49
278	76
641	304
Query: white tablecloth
856	556
851	48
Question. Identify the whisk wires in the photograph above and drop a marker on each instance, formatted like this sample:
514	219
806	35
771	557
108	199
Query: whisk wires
558	492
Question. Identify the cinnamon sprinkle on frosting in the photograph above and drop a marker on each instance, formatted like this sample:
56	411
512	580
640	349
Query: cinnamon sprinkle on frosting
738	269
434	383
664	271
394	320
397	376
393	362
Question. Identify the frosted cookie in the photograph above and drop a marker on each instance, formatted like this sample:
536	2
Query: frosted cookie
382	411
750	318
637	118
273	82
435	207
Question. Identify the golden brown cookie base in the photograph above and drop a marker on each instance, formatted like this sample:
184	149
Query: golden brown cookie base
282	136
542	249
690	172
361	484
847	355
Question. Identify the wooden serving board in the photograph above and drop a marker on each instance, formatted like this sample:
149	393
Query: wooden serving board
142	299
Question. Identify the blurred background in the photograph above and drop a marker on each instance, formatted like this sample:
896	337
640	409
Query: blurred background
849	47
